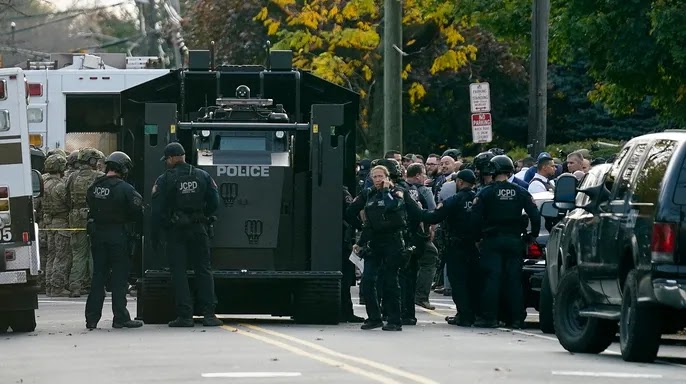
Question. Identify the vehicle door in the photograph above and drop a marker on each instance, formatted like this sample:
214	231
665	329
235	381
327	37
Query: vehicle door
635	230
615	215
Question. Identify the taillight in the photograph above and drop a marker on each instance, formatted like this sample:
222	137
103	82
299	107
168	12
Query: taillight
9	255
4	192
4	199
534	251
3	89
35	89
663	242
25	237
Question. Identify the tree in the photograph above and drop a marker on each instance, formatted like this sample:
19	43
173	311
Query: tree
635	51
340	40
229	23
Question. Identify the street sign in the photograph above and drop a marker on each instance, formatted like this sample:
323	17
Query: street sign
480	97
482	128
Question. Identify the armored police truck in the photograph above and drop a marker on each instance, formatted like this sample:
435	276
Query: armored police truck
19	251
280	144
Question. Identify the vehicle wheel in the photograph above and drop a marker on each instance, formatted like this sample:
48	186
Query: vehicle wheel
156	301
640	328
23	321
575	333
545	307
318	302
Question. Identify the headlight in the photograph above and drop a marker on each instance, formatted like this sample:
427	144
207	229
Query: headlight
205	133
5	220
35	115
279	134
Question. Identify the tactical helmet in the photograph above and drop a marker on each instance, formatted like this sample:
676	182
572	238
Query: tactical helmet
394	170
57	151
55	164
452	152
90	156
482	161
497	151
72	158
502	164
119	162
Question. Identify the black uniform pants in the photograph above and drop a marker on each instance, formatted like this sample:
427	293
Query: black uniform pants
385	260
462	263
110	252
191	243
501	263
408	286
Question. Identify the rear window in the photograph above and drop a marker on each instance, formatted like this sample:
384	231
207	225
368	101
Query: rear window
680	191
649	177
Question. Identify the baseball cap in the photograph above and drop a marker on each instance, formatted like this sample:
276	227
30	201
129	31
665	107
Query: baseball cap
173	149
543	156
467	175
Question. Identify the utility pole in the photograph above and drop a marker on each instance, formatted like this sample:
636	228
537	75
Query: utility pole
392	76
538	86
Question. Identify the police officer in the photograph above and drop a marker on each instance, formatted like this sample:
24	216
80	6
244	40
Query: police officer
462	255
386	218
183	199
114	209
55	216
497	215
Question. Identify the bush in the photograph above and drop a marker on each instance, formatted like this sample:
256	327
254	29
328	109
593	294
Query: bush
598	148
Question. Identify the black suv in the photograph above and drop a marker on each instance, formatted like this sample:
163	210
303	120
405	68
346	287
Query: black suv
627	263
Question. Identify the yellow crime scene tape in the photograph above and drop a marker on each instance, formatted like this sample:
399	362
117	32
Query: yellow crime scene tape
61	229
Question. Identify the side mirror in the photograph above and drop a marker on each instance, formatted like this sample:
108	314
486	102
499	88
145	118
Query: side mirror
548	210
36	183
565	192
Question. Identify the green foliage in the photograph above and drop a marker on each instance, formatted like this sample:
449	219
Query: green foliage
634	49
572	116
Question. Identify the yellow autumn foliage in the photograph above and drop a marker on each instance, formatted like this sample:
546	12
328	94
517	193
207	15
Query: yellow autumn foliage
339	40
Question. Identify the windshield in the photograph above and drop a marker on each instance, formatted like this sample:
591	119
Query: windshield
242	143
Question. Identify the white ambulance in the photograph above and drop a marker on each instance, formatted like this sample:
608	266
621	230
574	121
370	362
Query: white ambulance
19	185
75	99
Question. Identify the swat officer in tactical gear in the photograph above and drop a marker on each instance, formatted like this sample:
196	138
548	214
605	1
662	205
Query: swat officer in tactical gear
72	160
55	216
462	256
114	209
77	187
183	199
497	215
386	218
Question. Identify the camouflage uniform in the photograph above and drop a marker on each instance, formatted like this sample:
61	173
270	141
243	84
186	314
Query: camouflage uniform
72	158
55	215
77	186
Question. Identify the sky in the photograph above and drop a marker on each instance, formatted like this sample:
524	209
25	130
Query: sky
66	4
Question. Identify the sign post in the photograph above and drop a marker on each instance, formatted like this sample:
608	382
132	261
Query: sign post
482	128
480	102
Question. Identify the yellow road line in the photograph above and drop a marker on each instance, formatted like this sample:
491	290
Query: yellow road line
61	229
436	313
373	364
350	368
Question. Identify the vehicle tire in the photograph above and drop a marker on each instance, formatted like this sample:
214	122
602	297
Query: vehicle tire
156	301
23	321
579	334
318	301
545	306
640	327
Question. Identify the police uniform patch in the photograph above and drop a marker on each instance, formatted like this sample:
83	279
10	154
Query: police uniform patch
154	189
138	200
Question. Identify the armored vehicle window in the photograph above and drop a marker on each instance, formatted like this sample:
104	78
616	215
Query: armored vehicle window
237	143
649	177
628	172
619	162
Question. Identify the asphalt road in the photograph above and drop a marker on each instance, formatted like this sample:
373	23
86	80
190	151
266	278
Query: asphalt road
274	350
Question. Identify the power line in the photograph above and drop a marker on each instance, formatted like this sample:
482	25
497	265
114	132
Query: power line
41	25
